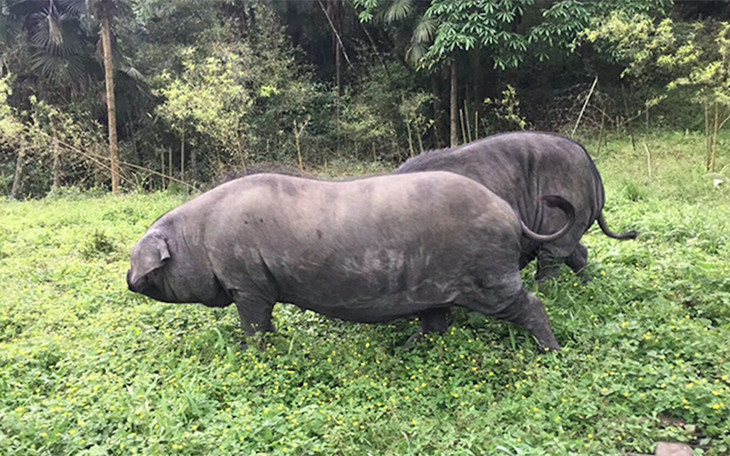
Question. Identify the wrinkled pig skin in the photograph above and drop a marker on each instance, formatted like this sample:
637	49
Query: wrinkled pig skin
367	250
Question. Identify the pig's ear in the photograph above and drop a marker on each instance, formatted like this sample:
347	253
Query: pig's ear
162	248
148	255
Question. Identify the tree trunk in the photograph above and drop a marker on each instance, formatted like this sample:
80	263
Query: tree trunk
17	179
334	14
297	134
194	164
56	162
162	169
708	138
436	96
454	106
182	153
106	41
338	76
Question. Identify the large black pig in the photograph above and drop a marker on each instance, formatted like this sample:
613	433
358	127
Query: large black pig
521	166
367	250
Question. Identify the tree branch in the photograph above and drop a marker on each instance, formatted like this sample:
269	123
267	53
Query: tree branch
337	35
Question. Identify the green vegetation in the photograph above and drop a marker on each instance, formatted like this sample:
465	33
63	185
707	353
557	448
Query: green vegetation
88	368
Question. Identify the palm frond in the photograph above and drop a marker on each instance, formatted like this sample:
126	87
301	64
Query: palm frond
132	72
398	10
55	30
425	30
415	52
75	7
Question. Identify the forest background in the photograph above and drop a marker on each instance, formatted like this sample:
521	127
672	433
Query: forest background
205	88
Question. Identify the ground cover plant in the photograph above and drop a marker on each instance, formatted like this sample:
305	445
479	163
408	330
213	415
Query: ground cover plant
88	368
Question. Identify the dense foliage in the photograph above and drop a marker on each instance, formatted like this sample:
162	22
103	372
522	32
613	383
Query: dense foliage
204	88
89	368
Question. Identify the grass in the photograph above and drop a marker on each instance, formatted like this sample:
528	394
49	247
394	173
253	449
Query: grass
88	368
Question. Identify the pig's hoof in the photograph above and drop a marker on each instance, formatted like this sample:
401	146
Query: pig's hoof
546	350
546	285
418	335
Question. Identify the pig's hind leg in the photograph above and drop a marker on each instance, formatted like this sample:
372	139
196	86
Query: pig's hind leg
548	265
578	261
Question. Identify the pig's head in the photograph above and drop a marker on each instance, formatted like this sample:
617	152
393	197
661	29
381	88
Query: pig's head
170	271
151	268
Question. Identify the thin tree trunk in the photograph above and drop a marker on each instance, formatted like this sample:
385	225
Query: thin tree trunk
298	132
583	109
464	138
106	41
162	169
466	121
420	142
56	162
411	149
600	135
648	162
17	179
338	76
182	153
454	107
194	164
410	140
334	14
708	139
436	111
476	124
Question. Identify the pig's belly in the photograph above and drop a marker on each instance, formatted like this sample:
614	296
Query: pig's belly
366	308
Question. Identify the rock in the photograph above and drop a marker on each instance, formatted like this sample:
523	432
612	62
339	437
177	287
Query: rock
673	449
